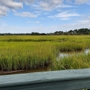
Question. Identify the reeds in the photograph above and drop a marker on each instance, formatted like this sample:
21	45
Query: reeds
32	52
25	56
72	62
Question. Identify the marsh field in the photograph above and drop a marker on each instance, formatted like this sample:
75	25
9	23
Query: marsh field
27	52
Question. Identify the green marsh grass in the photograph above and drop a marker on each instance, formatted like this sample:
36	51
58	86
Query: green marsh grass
24	56
72	62
33	52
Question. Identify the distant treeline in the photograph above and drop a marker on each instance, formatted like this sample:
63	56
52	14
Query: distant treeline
81	31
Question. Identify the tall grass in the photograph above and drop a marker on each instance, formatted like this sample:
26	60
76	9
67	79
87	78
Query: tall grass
32	52
24	56
72	62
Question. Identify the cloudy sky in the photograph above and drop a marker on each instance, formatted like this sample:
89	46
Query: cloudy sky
26	16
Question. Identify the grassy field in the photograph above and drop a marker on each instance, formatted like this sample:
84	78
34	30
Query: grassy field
33	52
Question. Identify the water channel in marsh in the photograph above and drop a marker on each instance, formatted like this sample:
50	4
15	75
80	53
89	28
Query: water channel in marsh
67	54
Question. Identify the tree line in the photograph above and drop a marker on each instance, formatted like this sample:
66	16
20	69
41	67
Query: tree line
81	31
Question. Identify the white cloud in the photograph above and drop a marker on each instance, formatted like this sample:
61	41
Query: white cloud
47	4
51	4
5	6
34	22
65	15
27	2
69	1
3	10
11	4
65	6
81	1
37	12
25	14
83	23
64	18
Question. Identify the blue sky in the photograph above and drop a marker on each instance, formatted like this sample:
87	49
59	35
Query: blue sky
26	16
